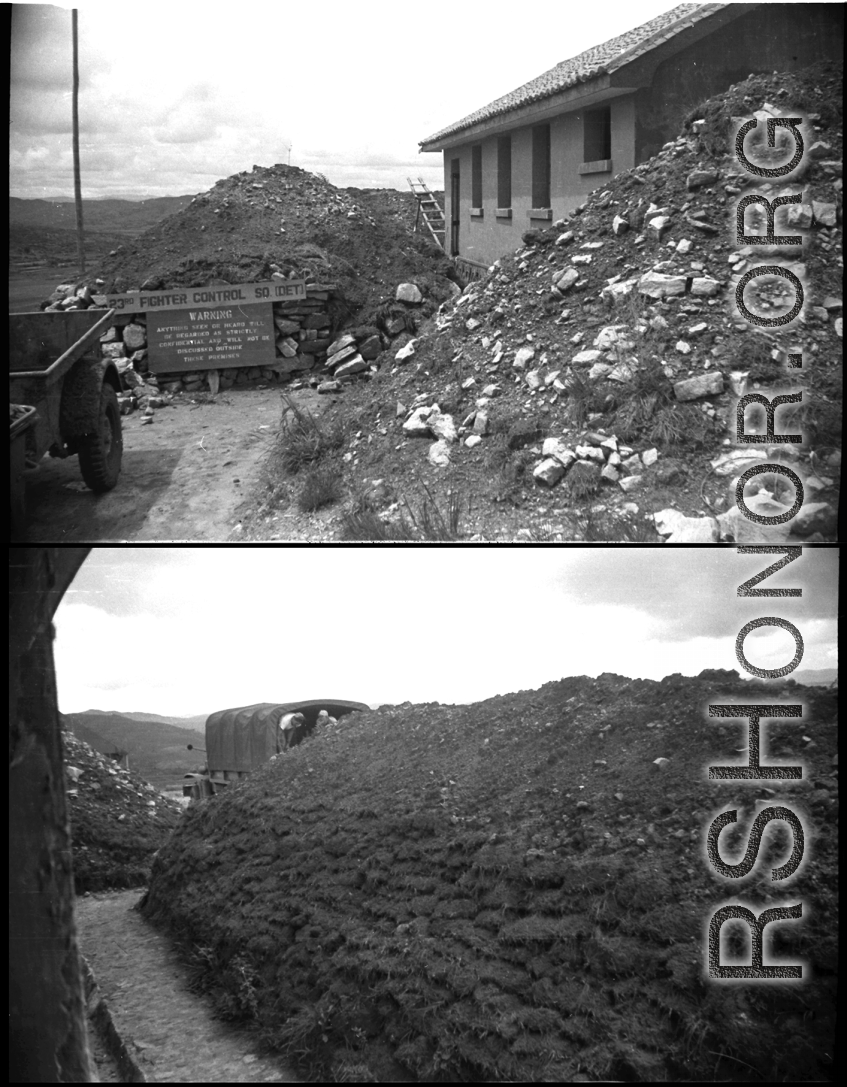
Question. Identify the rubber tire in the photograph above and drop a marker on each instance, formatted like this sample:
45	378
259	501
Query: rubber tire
100	454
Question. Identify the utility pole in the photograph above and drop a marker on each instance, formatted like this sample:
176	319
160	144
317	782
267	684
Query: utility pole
80	243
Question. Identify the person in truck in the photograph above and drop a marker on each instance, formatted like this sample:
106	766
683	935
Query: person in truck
288	726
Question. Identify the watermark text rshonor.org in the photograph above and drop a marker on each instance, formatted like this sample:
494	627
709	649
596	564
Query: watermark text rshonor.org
754	771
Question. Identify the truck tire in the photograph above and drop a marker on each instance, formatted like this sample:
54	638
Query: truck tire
100	453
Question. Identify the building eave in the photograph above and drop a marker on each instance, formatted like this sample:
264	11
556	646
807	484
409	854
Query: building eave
590	93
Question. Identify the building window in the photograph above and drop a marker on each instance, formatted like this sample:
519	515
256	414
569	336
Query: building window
597	133
541	166
476	177
504	172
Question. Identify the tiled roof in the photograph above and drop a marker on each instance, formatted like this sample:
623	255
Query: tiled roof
599	60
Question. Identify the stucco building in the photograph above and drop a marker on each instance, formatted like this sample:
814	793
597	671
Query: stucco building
533	155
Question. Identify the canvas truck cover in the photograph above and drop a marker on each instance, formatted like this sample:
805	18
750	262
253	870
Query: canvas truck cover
244	738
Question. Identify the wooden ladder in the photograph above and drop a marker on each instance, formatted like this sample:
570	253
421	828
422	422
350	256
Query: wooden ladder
429	210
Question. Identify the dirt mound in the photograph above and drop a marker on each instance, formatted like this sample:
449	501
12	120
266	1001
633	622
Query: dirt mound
562	340
282	218
118	820
511	890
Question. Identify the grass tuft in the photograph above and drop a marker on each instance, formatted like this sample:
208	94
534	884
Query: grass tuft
321	487
422	519
582	481
303	440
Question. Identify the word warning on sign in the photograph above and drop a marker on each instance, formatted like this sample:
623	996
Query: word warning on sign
211	339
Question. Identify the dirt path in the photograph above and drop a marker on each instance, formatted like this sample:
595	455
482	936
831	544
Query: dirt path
184	476
168	1032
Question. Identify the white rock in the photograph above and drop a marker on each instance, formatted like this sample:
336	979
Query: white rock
355	366
491	390
442	426
523	357
533	379
656	285
599	370
549	472
659	225
566	280
439	454
416	425
408	292
683	246
705	287
610	473
563	239
556	448
472	440
406	352
585	358
649	456
683	347
825	215
614	292
799	215
629	483
619	226
612	336
693	388
681	529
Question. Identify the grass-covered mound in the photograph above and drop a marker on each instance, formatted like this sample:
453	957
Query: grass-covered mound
511	890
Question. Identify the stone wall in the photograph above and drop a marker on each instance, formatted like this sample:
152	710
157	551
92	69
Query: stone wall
303	334
309	344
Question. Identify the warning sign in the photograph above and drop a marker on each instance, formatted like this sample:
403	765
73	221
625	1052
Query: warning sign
210	338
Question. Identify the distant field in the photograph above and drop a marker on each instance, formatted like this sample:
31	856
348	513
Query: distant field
29	287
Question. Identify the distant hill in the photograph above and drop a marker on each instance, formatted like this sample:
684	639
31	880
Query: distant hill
196	722
815	677
99	216
157	748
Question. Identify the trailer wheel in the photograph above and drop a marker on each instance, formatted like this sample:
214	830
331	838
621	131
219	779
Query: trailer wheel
100	453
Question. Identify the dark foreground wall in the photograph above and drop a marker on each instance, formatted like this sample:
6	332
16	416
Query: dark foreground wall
47	1039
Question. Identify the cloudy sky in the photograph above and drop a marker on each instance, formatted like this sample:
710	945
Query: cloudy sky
175	95
184	631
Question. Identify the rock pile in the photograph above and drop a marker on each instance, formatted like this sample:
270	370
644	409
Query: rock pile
283	222
621	321
118	820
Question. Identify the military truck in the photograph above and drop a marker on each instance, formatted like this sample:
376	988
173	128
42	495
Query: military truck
64	399
240	740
